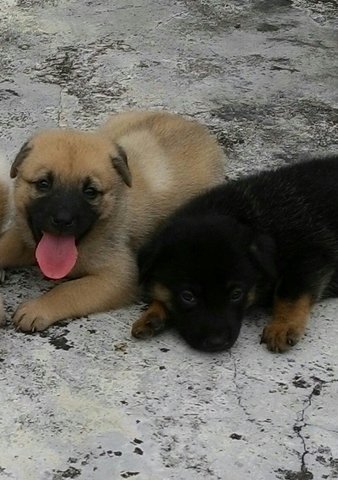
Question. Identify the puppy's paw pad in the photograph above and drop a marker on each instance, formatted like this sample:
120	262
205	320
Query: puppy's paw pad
148	326
279	337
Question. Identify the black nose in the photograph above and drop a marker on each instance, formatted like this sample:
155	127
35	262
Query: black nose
62	219
215	342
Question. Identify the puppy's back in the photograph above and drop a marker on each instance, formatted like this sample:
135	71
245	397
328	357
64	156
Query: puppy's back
300	198
171	160
187	145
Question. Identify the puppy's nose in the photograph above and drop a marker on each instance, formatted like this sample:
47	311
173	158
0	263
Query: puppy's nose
215	342
62	219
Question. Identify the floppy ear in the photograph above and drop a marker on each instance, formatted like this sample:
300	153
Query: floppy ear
120	163
23	153
263	252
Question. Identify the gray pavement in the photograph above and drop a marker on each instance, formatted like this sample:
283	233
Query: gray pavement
83	400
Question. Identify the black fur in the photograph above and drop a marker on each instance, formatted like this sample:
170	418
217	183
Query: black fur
273	234
62	210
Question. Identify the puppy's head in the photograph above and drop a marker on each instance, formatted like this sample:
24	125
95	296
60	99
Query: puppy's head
66	182
205	270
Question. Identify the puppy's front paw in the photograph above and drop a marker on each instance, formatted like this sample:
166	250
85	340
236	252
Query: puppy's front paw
152	322
32	317
279	337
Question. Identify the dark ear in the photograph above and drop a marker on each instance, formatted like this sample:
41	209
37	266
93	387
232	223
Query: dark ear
120	163
263	253
24	151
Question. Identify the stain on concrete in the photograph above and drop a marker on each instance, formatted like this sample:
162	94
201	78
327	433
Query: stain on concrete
326	459
71	472
267	27
312	112
59	340
289	475
299	382
62	69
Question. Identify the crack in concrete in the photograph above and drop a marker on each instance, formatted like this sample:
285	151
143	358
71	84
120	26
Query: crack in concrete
237	388
301	423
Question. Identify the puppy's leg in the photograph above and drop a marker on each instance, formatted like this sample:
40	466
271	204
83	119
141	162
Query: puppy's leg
304	279
13	250
153	321
288	323
102	291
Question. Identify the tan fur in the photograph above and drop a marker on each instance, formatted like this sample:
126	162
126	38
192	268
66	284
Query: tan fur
288	323
170	159
161	293
151	322
251	297
154	319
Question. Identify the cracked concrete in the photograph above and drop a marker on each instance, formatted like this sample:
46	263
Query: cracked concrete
83	400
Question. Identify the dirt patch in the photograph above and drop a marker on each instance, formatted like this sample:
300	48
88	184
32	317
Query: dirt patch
74	69
290	475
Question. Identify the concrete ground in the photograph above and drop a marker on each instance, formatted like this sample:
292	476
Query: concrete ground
83	400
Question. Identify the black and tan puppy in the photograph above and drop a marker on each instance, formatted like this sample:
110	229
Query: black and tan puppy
267	238
85	201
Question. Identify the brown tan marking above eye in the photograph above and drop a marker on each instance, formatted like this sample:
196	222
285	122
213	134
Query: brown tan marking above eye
161	293
251	298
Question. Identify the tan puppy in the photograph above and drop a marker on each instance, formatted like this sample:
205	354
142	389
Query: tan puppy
86	201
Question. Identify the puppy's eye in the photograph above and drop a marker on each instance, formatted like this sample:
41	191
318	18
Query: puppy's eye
236	295
43	185
90	193
188	298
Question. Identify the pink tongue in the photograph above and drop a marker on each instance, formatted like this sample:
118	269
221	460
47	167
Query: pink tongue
56	255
